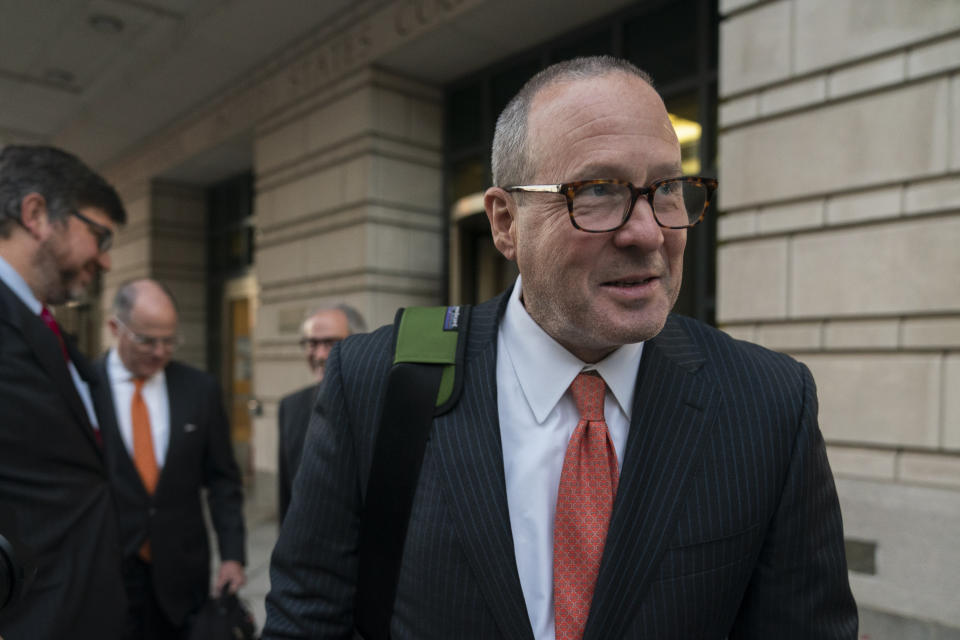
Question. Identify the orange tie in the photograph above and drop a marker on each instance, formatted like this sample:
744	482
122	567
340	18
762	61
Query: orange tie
143	456
588	484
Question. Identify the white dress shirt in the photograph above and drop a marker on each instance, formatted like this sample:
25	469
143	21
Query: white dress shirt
154	394
22	290
537	417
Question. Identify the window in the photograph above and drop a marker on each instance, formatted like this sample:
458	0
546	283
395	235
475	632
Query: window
676	42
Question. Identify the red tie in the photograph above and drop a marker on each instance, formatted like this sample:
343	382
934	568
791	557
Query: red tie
51	322
588	484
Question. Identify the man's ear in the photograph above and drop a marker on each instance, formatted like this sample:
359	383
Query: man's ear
114	327
34	215
501	212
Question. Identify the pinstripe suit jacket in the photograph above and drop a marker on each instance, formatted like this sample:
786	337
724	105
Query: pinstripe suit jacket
726	521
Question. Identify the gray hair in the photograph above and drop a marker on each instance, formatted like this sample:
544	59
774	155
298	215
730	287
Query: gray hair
126	297
64	181
355	321
510	161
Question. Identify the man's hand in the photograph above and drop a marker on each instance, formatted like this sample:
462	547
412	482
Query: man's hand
232	576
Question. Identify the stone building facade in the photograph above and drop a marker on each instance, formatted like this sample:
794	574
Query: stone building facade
833	125
838	243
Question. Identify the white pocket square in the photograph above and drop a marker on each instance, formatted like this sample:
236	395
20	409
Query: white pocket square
189	427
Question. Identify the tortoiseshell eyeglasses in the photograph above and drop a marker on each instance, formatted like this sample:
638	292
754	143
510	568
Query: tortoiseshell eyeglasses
599	206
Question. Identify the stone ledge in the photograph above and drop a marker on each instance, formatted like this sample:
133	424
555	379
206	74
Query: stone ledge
739	110
746	332
831	32
752	280
870	464
790	336
882	269
879	399
755	48
867	76
951	402
861	334
917	555
955	123
864	206
795	95
741	224
942	332
934	58
932	196
929	469
796	216
821	151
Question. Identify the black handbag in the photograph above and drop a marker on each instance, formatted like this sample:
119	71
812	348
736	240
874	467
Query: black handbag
223	617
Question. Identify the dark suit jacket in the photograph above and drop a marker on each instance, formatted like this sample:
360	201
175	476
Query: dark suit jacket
726	522
53	477
293	416
199	454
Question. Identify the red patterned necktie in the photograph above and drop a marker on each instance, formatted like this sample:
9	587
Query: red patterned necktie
51	323
588	484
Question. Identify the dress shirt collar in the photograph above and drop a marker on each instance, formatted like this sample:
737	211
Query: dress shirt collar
12	278
545	369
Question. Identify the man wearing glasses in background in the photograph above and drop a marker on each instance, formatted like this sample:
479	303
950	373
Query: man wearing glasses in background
320	331
166	437
610	470
57	220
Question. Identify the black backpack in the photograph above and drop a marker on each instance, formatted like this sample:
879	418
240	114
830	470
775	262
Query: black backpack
425	381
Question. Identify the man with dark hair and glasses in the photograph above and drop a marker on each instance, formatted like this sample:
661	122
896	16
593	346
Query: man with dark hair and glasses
611	470
322	329
167	441
57	220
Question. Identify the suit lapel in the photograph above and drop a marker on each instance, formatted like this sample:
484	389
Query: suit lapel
471	459
673	405
178	412
88	374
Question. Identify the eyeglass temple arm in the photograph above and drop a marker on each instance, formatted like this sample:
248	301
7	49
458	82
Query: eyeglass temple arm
543	188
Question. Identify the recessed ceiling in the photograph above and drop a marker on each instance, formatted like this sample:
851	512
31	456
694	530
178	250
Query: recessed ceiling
99	76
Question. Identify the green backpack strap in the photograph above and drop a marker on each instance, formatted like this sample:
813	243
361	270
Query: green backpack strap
424	381
430	335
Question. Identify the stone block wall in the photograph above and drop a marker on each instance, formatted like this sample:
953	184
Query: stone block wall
165	239
839	235
348	209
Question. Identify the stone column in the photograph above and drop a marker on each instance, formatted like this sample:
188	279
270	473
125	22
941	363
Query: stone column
348	209
165	239
840	191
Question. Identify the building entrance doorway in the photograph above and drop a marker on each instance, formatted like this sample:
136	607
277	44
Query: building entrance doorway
238	309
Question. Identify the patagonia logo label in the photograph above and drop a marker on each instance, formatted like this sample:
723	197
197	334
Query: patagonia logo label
452	320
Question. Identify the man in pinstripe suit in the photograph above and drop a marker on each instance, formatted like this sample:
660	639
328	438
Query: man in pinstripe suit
725	521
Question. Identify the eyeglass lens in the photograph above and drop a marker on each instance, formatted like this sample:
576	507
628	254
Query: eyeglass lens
313	343
604	206
152	342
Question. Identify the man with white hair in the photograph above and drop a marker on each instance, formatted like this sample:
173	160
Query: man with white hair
319	333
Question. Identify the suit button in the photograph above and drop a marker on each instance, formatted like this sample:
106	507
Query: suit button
152	512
